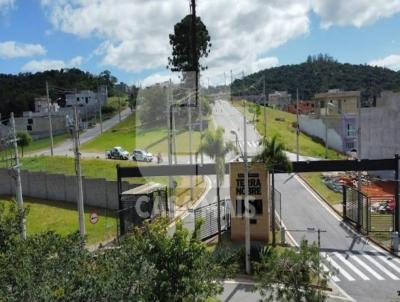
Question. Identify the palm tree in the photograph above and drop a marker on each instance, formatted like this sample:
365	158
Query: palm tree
275	159
214	146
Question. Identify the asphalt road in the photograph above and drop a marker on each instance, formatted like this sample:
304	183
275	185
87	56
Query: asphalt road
363	271
66	148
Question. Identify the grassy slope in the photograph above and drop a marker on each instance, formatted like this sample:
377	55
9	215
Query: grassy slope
100	168
62	218
44	143
287	133
130	136
315	181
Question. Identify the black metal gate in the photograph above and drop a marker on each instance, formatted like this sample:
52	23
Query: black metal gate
366	214
209	216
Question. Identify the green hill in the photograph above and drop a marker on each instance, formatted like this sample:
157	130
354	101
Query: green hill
318	74
17	92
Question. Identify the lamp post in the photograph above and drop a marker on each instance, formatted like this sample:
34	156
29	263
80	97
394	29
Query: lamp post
246	196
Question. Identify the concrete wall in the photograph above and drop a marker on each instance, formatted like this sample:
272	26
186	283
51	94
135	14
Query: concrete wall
40	125
59	187
317	128
380	135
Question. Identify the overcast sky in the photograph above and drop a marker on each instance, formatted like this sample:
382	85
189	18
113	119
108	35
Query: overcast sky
130	37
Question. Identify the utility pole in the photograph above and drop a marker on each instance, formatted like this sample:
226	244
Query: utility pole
172	105
50	123
231	86
169	126
16	168
297	125
78	171
201	128
190	145
246	189
359	180
119	106
100	113
265	108
326	129
194	49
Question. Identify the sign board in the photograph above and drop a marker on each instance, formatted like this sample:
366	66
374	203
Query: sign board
259	191
94	218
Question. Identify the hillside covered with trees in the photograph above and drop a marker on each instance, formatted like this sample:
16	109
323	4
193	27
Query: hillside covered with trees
318	74
17	92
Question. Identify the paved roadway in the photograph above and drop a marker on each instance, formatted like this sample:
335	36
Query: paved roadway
364	272
66	148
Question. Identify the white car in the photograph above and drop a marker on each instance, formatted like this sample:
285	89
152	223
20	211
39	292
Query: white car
117	153
142	155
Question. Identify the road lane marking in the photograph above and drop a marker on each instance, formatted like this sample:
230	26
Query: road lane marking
366	267
382	268
333	277
340	270
351	266
388	262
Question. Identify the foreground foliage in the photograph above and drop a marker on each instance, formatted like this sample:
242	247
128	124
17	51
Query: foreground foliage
149	265
291	275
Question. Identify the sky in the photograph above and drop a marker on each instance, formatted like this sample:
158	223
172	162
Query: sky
131	37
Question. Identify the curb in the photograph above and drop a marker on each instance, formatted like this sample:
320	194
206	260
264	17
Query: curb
343	224
193	206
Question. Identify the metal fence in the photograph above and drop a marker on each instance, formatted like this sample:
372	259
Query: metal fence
368	215
132	213
209	216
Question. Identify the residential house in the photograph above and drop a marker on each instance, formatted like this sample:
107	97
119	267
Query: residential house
37	123
334	119
280	100
84	98
305	107
380	134
41	105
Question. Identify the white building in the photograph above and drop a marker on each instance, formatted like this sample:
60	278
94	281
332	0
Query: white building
380	127
84	98
279	99
334	119
42	105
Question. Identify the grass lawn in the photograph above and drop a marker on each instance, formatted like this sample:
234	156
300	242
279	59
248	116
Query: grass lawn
101	168
130	136
280	123
315	181
94	168
44	143
62	218
183	190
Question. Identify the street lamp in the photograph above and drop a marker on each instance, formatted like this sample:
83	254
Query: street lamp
246	198
237	142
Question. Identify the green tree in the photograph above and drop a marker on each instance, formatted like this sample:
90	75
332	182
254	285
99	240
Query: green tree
181	42
178	260
152	107
148	265
291	275
23	140
132	100
255	109
214	146
106	78
273	156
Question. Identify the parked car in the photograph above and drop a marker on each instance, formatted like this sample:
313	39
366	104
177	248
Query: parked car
386	207
117	153
142	155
